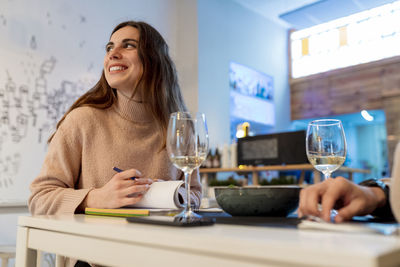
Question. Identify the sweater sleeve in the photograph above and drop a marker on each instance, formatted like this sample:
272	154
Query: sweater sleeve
385	211
395	184
54	190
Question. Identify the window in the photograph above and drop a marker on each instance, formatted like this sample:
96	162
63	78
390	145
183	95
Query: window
363	37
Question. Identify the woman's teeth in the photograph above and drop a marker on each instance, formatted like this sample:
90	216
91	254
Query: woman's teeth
115	68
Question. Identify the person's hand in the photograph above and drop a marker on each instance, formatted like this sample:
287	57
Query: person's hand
339	193
120	191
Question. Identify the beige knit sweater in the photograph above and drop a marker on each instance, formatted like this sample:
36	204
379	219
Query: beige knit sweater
86	147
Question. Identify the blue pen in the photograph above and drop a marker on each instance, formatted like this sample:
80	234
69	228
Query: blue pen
119	170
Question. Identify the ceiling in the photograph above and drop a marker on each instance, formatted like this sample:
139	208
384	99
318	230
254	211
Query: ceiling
272	9
300	14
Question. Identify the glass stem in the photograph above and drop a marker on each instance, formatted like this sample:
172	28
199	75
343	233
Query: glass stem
188	207
327	175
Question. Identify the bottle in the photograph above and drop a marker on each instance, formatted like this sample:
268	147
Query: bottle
234	162
226	157
216	159
209	159
203	164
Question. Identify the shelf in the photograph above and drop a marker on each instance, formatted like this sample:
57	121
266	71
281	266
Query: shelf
301	167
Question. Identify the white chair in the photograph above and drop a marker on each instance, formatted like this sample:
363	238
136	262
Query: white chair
6	253
395	184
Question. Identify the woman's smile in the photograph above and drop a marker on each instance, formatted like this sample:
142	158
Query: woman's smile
116	68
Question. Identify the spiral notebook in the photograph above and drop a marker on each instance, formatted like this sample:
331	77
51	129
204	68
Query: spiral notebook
163	198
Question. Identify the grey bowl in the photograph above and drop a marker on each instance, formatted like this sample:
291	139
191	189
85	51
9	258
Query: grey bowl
273	200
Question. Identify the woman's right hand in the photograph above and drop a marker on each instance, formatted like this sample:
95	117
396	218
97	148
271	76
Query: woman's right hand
120	191
348	198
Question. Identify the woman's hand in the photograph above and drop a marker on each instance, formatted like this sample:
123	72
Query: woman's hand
120	191
339	193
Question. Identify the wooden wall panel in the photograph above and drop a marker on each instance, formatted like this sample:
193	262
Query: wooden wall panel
309	100
391	80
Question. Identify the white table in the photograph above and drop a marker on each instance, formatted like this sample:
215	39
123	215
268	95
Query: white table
115	242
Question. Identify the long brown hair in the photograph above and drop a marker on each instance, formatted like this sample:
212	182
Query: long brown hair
158	84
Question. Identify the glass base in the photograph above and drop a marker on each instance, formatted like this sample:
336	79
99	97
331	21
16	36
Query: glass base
188	216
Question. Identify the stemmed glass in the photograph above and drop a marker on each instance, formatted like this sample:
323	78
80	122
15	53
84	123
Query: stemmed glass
326	145
187	146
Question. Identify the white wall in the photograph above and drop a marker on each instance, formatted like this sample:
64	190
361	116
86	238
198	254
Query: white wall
229	32
175	19
186	59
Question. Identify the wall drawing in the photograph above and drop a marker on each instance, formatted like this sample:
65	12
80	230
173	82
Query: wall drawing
46	62
24	109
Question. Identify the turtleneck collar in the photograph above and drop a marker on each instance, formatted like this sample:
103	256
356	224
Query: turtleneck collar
132	109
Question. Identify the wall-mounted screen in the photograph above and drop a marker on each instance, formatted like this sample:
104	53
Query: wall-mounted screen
251	99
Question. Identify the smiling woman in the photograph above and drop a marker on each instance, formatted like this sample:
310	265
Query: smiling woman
121	122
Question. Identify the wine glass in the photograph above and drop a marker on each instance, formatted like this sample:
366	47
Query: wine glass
187	146
326	145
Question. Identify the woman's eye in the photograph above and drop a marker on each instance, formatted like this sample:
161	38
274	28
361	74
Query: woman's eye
128	45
